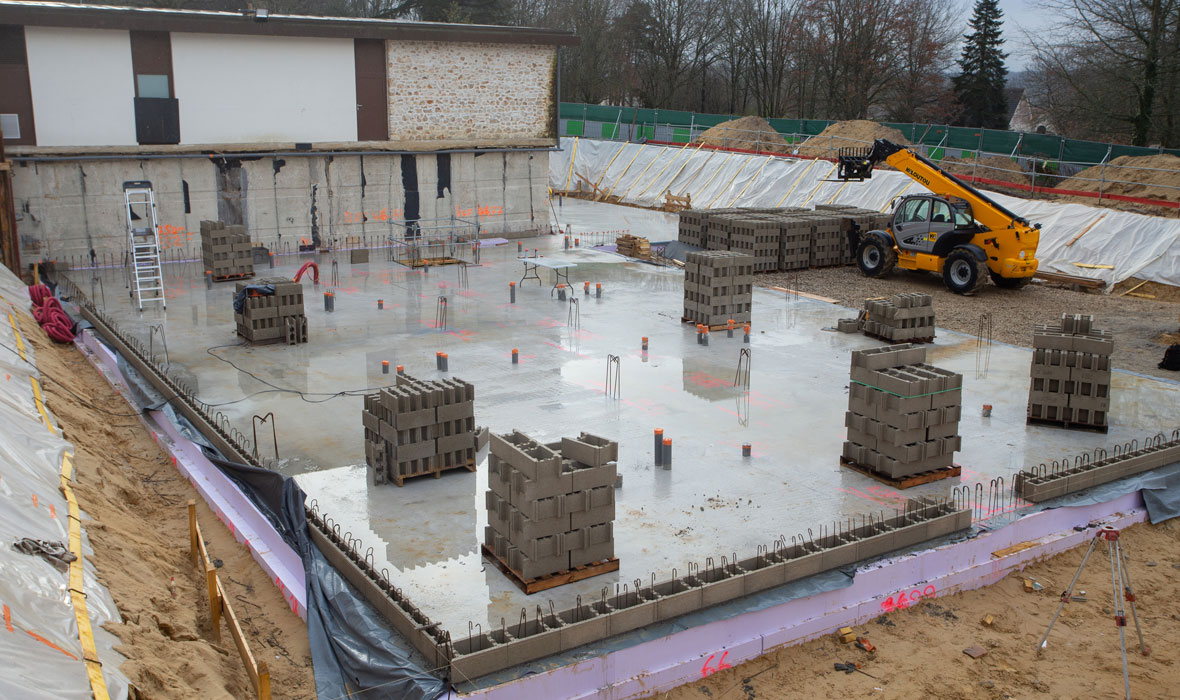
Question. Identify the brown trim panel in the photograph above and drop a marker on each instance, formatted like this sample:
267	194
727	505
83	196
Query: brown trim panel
16	97
160	20
151	53
372	92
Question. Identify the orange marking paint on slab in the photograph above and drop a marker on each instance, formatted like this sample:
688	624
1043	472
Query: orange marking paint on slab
34	500
52	511
50	644
7	619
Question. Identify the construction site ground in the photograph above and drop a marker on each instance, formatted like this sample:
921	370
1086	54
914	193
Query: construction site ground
134	509
1143	328
712	501
920	649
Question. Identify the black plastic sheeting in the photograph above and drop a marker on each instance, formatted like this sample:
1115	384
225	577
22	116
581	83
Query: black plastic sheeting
353	649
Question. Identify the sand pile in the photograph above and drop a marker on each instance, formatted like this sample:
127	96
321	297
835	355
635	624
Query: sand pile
989	167
747	133
1151	177
857	133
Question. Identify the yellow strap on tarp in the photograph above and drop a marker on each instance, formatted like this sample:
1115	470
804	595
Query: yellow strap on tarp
98	684
41	405
796	184
738	172
739	194
622	174
20	342
570	175
819	184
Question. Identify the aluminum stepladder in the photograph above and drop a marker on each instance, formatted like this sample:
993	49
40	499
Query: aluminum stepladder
144	241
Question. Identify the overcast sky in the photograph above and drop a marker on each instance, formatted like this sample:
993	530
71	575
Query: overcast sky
1018	16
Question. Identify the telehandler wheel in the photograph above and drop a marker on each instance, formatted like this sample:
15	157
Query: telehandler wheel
1010	282
874	258
963	273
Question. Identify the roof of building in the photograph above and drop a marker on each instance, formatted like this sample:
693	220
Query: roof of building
260	22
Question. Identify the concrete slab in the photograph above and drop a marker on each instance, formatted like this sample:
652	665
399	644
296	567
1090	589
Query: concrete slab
711	502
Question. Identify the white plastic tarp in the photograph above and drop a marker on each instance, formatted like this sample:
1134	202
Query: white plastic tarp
1135	245
39	633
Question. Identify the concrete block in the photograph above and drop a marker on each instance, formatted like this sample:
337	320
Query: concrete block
592	477
676	604
591	553
530	458
586	630
593	516
590	450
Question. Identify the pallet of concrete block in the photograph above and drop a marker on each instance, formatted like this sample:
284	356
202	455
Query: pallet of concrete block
902	318
690	227
551	509
903	416
419	427
856	219
757	235
226	251
270	310
1070	374
633	246
718	287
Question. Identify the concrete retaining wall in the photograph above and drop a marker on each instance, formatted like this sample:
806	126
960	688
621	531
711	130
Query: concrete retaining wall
67	208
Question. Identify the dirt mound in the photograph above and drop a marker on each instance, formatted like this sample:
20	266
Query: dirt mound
990	167
747	133
857	133
1151	177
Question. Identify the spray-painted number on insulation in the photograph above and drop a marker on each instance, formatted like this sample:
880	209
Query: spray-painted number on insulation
903	600
708	669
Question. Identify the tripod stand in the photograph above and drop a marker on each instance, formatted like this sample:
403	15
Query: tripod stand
1120	577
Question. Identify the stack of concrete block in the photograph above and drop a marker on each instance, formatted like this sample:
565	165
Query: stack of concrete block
551	507
903	414
716	231
691	227
794	247
902	318
419	427
854	218
226	251
1071	374
718	287
756	234
270	318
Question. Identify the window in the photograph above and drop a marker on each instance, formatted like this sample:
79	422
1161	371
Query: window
942	213
10	125
963	218
152	85
916	210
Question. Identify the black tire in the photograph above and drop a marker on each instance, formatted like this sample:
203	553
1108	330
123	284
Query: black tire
963	273
1010	282
874	258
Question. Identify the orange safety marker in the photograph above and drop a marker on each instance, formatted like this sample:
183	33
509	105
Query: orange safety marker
384	366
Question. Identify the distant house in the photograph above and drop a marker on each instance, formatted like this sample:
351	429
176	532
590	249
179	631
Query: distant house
1023	115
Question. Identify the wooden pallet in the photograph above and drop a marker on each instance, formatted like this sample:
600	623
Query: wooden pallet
737	326
905	482
436	473
544	583
431	262
1068	425
230	278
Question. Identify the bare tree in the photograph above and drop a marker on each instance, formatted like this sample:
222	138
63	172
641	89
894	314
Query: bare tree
1109	65
924	54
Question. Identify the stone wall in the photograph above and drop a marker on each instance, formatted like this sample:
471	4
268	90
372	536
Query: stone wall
445	90
68	208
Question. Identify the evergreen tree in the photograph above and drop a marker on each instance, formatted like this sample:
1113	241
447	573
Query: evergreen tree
979	88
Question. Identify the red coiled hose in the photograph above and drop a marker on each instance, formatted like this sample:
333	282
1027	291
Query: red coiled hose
315	269
48	312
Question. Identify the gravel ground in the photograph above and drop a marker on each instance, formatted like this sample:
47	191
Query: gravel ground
1137	324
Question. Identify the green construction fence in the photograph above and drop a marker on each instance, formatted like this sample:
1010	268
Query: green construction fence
1050	147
